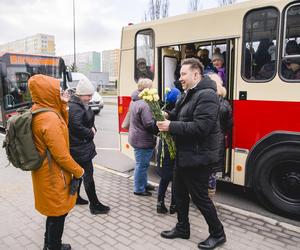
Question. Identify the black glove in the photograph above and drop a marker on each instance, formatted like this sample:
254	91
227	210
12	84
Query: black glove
74	186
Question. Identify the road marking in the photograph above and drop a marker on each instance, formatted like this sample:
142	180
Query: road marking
115	149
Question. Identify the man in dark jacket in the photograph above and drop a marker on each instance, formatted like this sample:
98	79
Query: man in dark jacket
82	131
195	125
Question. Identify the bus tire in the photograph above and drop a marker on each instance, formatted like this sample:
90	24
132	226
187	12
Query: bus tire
276	180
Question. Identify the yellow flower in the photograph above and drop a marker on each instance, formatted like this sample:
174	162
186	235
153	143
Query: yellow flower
167	90
152	91
150	98
156	97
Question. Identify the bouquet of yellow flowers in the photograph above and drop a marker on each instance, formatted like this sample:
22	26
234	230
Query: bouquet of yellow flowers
152	98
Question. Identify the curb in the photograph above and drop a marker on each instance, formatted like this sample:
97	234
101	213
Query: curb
226	207
110	103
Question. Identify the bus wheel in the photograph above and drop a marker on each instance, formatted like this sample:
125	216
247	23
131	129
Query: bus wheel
276	180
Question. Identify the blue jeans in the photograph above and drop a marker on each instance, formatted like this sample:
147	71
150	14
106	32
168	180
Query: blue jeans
142	159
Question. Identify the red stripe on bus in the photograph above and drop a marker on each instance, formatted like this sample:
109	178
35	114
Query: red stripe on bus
252	120
123	105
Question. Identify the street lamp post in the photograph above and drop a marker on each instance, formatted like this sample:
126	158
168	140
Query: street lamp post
74	34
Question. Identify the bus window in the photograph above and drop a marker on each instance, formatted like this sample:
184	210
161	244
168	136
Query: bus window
15	89
260	44
290	66
144	55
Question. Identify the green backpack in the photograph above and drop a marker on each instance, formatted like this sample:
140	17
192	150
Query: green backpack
18	143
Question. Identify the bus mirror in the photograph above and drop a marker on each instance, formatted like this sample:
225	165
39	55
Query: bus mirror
69	76
3	70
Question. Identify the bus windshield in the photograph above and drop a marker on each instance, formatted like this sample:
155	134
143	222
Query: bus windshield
15	85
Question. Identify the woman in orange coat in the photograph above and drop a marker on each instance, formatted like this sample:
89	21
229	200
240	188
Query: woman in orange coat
51	182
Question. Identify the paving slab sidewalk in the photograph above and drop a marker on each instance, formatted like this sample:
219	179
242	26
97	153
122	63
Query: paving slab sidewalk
132	223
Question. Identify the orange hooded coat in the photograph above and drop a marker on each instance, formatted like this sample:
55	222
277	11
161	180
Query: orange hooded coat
51	185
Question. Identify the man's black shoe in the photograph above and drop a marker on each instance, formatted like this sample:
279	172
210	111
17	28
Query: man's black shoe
81	201
146	193
212	242
99	208
174	233
150	187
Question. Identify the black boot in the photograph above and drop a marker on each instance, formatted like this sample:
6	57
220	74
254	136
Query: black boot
99	208
81	201
161	208
63	247
173	209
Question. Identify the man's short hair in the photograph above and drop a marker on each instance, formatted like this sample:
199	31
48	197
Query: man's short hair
194	64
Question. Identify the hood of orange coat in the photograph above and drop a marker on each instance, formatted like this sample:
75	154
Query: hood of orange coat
45	92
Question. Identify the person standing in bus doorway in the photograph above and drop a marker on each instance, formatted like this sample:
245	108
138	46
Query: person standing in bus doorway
218	62
225	117
195	125
83	150
190	52
52	181
141	137
165	165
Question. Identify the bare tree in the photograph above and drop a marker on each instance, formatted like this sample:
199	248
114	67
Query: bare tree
157	9
165	8
226	2
195	5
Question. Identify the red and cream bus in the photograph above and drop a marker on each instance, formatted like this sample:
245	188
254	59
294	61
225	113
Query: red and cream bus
260	41
15	70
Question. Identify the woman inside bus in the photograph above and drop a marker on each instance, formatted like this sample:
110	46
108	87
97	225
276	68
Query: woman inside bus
218	63
142	70
141	137
268	69
290	66
261	55
293	65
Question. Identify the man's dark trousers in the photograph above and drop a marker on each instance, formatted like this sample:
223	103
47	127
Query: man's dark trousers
194	182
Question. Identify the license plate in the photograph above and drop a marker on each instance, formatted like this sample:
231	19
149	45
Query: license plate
94	108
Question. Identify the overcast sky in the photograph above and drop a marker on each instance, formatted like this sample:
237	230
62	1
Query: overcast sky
98	22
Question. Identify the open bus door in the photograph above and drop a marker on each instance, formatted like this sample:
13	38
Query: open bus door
170	58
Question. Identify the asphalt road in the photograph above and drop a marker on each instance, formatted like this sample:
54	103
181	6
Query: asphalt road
107	143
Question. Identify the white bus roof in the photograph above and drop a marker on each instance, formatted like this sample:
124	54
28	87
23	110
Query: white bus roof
224	21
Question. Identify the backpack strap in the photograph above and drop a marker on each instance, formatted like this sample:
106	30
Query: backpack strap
47	153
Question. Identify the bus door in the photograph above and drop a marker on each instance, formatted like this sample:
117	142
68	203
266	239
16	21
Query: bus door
227	48
170	58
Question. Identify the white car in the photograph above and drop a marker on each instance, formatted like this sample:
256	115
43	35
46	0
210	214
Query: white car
96	102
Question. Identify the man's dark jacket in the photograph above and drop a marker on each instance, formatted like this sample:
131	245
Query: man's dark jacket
195	126
81	121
